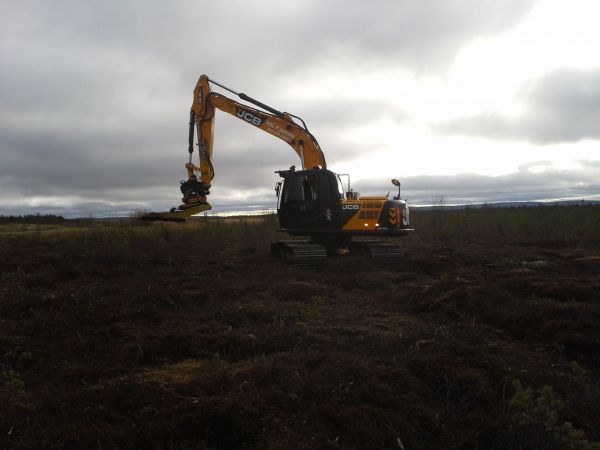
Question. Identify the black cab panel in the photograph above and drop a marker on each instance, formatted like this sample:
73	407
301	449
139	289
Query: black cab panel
309	199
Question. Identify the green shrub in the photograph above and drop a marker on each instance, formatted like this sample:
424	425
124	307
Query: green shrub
535	419
12	388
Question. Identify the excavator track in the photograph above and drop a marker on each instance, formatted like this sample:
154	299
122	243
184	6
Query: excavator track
300	253
381	253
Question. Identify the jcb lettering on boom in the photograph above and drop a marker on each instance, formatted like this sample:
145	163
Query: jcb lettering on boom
254	119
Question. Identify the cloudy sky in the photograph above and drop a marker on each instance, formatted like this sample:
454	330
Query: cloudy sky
465	100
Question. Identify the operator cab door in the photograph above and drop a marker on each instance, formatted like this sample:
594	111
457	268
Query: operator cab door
309	200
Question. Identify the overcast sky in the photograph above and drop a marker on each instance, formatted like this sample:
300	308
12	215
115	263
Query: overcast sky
465	100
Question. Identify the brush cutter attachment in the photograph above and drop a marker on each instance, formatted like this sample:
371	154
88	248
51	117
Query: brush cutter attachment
194	192
180	214
194	202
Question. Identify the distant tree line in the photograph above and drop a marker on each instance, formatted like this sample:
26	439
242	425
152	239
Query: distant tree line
32	218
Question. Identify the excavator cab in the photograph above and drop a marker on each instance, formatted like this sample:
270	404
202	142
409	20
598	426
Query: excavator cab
308	200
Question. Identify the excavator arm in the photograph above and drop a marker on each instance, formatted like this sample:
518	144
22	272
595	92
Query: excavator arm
268	119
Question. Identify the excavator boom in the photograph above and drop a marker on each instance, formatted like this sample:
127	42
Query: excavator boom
270	120
202	119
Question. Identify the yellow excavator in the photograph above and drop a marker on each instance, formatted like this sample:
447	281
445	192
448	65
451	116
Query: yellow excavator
312	202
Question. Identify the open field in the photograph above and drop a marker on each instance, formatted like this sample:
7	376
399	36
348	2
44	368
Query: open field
126	335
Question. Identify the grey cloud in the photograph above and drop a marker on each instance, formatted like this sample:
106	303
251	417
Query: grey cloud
94	96
524	185
562	106
258	195
421	34
337	113
251	44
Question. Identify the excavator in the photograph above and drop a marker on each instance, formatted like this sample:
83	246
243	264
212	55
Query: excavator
312	202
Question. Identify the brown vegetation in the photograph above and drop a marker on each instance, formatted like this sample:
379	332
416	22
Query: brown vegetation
125	335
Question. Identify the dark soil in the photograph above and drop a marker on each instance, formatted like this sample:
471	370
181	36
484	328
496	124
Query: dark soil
192	337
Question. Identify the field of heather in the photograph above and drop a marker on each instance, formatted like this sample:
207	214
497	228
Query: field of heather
190	336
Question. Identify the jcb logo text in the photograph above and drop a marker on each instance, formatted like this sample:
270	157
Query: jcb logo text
255	120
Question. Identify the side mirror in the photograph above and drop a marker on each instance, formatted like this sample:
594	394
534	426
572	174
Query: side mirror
396	183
